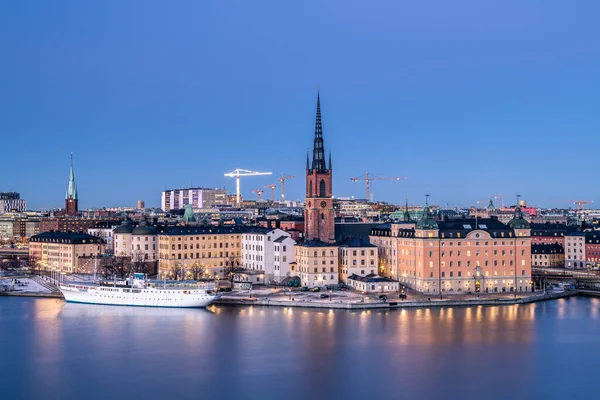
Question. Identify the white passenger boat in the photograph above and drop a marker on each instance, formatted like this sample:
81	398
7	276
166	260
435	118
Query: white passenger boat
137	291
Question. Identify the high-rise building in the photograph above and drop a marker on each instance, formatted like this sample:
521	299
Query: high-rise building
177	199
318	207
71	196
11	202
141	205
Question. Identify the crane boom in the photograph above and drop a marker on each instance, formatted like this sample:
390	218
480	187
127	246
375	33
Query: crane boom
242	172
369	178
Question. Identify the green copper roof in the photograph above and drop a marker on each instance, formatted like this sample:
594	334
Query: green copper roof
188	215
72	188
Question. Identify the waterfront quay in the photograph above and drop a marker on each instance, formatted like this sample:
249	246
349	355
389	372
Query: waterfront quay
354	300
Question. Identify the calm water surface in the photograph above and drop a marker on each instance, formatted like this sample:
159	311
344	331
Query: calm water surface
53	350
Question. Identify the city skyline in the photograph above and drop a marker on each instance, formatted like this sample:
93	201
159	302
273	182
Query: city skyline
472	101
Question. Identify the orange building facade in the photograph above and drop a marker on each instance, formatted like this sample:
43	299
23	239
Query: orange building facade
458	255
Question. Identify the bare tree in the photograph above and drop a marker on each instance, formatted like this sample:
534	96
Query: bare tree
197	271
117	267
34	264
138	263
176	271
232	268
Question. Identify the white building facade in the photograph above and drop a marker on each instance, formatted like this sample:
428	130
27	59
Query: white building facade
259	253
575	256
177	199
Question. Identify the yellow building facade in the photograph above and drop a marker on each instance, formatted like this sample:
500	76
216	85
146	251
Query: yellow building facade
211	248
63	251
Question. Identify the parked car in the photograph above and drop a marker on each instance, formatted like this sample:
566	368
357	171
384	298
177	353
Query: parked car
225	289
383	297
304	289
315	289
402	296
324	296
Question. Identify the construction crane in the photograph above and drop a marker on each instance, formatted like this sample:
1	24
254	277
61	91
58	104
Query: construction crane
284	178
369	178
242	172
272	187
580	203
498	198
258	192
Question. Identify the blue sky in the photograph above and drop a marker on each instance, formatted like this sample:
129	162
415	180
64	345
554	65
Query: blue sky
465	98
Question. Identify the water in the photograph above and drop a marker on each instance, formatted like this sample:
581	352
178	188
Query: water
53	350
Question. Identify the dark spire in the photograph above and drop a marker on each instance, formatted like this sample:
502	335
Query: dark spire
318	162
406	213
329	159
307	164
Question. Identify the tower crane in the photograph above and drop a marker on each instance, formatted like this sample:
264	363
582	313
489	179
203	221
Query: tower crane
272	187
258	192
369	178
242	172
284	178
580	203
498	198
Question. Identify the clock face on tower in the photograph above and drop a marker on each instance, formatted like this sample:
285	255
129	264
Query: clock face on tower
323	204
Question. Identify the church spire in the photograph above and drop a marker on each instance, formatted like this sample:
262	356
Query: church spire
318	162
329	159
307	163
406	213
72	188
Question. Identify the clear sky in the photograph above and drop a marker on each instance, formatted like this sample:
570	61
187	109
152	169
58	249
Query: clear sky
465	98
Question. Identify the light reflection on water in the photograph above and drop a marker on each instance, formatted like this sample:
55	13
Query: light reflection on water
258	351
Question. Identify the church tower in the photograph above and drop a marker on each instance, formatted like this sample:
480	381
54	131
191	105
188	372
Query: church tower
71	196
318	207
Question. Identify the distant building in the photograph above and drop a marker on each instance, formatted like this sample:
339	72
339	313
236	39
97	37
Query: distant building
575	255
71	199
357	257
550	233
75	224
104	230
65	251
551	255
141	205
177	199
11	202
592	249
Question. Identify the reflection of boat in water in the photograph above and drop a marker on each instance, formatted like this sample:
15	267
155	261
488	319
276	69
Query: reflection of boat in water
96	311
137	291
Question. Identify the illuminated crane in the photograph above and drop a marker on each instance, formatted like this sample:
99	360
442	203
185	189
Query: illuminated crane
284	178
580	203
368	178
242	172
258	192
272	187
498	198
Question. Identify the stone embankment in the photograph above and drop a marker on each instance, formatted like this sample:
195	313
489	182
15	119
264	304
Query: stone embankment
374	304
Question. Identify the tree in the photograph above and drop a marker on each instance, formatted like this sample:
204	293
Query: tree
176	271
118	267
197	270
34	264
232	268
138	263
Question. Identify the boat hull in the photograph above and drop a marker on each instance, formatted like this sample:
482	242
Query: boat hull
139	298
